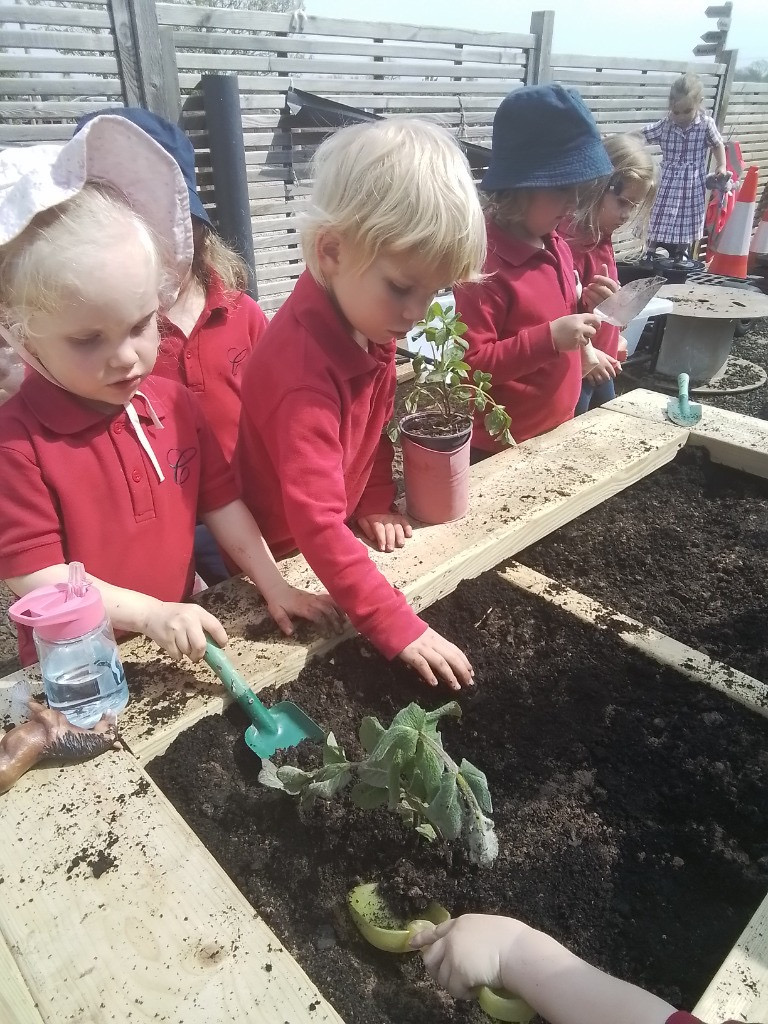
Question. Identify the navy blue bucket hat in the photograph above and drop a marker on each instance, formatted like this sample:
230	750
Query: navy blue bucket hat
170	137
544	137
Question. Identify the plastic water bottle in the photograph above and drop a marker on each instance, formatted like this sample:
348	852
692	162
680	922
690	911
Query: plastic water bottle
82	673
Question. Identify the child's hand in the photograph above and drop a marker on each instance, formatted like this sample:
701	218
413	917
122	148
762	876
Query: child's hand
290	602
598	289
433	656
468	951
607	369
621	351
180	629
569	333
386	530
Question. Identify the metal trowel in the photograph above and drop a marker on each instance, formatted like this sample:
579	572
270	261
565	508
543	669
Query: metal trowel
625	304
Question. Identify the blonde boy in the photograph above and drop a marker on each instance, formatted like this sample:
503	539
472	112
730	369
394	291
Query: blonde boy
393	218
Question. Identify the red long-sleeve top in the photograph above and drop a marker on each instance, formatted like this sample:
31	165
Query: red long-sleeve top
508	316
311	455
590	259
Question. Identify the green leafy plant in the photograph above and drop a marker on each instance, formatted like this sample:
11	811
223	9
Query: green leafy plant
407	769
443	382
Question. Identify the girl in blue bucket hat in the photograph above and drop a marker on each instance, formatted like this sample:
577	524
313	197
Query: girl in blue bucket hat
526	323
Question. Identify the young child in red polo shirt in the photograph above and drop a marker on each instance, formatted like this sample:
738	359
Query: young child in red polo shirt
523	322
99	462
500	952
604	207
213	324
394	217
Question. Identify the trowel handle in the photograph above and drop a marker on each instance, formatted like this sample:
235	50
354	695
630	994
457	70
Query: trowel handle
683	381
233	682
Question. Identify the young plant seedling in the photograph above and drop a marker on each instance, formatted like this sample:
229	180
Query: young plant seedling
443	383
407	769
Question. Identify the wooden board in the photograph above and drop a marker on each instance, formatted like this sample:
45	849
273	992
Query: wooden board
730	438
516	498
752	693
114	911
739	990
16	1003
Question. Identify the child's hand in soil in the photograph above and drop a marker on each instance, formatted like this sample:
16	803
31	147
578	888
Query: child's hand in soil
607	370
290	602
570	333
386	530
180	629
435	657
468	951
598	290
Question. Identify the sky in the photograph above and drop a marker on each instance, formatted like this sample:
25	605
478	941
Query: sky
661	29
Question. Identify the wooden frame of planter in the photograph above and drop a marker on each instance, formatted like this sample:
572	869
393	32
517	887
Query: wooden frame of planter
112	908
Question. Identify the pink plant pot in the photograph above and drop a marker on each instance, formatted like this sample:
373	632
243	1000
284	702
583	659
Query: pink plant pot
436	483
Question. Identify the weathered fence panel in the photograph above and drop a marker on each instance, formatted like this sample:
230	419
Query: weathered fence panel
58	62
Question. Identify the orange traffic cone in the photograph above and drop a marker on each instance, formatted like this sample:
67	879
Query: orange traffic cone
759	246
731	248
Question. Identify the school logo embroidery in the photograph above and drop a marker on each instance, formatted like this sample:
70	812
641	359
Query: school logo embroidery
236	357
179	460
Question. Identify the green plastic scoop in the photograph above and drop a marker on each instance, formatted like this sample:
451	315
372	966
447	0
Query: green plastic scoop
283	725
382	929
680	410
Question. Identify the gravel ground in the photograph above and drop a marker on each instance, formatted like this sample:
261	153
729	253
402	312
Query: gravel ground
753	346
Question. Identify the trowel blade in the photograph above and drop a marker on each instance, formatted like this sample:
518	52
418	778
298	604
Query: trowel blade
624	305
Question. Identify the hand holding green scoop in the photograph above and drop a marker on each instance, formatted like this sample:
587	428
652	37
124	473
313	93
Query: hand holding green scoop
378	926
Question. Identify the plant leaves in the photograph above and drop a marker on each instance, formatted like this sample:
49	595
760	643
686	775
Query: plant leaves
367	797
412	716
482	842
268	775
444	811
393	431
294	780
427	831
430	771
370	732
332	752
478	783
374	773
393	784
450	710
327	788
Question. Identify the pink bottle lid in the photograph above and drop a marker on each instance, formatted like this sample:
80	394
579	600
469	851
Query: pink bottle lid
62	611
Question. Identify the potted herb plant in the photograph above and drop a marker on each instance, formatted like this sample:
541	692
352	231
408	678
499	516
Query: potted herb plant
436	431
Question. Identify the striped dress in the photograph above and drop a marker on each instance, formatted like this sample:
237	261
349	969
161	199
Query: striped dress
678	213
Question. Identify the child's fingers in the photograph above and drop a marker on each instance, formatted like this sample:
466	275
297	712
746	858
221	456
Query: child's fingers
213	628
282	619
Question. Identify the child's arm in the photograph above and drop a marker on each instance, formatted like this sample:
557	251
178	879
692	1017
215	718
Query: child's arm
715	140
483	308
176	627
305	447
237	532
480	949
385	529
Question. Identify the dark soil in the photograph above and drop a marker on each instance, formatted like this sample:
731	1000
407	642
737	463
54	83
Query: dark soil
629	804
684	550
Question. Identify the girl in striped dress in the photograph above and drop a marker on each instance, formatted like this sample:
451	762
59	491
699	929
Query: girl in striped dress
686	136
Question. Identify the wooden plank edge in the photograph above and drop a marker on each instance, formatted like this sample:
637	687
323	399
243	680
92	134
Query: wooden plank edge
17	1006
739	990
743	688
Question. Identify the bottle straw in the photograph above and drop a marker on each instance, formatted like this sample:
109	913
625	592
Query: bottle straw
77	584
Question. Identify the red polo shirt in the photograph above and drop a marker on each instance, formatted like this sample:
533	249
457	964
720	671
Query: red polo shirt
508	316
76	485
312	454
589	260
210	361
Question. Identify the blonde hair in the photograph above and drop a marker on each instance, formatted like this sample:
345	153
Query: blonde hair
632	164
213	256
687	87
401	185
58	251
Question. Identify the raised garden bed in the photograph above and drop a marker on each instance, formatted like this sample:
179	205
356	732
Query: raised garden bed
629	804
684	550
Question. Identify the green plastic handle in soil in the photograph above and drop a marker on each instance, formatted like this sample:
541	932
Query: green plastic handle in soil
276	728
681	410
377	925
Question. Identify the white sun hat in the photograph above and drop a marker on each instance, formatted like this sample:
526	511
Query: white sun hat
108	150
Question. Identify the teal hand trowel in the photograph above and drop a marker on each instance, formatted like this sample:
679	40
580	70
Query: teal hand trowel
283	725
680	410
377	925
